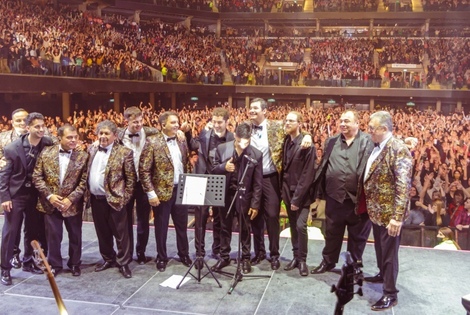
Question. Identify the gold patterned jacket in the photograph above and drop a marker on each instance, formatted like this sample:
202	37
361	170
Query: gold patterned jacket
6	137
276	139
46	179
120	176
388	182
156	170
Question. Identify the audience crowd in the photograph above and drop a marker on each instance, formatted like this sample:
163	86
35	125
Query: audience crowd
349	6
439	145
446	5
65	42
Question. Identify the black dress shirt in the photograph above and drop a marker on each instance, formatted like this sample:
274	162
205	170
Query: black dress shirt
341	175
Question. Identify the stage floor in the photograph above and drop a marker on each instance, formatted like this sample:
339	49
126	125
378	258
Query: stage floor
430	282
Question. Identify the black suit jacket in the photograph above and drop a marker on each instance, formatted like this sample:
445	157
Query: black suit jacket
201	145
253	180
297	174
365	149
13	175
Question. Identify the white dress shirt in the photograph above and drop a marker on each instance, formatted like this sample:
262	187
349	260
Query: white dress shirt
136	144
64	159
259	139
97	170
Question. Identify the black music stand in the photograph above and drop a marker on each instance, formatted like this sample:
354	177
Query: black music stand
238	275
214	195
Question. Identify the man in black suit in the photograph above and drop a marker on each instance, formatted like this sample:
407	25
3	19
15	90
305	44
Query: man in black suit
298	168
338	181
206	144
19	197
231	159
18	117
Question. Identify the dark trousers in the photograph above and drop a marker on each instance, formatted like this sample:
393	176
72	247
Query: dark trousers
386	252
269	214
54	233
142	210
23	206
338	217
298	231
226	228
201	215
179	215
110	223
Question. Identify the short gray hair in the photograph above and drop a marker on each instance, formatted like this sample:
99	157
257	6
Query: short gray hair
384	118
106	124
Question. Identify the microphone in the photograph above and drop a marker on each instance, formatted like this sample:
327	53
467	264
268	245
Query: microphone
252	160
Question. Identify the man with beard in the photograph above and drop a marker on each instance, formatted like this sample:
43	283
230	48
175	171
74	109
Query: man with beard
338	180
19	197
298	169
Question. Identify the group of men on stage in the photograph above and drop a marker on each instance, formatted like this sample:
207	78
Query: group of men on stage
364	178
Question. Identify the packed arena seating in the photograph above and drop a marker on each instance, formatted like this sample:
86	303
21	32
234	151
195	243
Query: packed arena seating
349	6
445	5
65	42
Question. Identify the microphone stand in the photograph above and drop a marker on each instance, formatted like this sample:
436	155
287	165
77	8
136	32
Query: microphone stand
238	276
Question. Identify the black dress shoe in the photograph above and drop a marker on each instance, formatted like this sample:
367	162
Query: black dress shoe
384	303
76	272
125	271
246	266
303	269
185	260
6	277
104	266
375	279
15	261
258	258
142	259
33	269
275	264
221	263
291	265
324	267
161	265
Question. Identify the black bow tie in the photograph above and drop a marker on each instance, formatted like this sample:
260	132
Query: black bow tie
64	151
170	138
132	135
377	144
102	149
260	128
